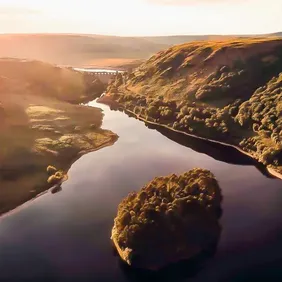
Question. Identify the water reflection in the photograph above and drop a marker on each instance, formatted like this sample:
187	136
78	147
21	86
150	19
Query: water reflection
177	272
56	189
215	150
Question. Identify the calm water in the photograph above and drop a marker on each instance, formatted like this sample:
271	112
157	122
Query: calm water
66	236
96	70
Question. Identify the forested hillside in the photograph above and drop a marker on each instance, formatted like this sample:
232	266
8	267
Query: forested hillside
229	91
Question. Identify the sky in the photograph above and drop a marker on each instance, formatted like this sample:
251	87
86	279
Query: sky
141	17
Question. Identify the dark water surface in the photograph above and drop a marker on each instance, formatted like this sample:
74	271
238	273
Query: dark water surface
66	236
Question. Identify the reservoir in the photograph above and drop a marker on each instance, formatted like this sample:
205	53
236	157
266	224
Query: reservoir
66	236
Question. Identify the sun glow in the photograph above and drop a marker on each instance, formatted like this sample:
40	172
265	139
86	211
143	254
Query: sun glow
141	17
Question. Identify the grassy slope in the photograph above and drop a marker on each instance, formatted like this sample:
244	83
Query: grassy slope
87	50
38	127
78	50
183	70
201	87
50	81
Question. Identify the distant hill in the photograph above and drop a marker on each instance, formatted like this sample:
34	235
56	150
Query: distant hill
77	50
279	34
179	39
90	50
43	79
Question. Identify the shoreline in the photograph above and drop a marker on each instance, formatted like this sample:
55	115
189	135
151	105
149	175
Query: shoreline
270	170
155	269
118	248
28	202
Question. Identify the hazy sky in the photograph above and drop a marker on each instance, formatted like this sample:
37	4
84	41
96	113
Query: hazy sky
141	17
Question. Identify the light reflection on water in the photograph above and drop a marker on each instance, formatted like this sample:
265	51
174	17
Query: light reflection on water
66	235
97	70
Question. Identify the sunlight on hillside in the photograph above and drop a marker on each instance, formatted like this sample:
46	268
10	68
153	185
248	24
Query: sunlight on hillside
38	111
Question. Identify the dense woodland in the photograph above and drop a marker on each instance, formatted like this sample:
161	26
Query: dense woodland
178	207
262	115
229	91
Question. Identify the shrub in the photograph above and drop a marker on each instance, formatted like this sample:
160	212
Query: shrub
51	170
56	178
53	179
153	111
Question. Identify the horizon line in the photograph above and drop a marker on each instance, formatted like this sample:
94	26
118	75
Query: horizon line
128	36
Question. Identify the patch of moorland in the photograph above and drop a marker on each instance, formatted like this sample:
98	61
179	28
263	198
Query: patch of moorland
170	219
228	91
86	50
40	127
50	81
